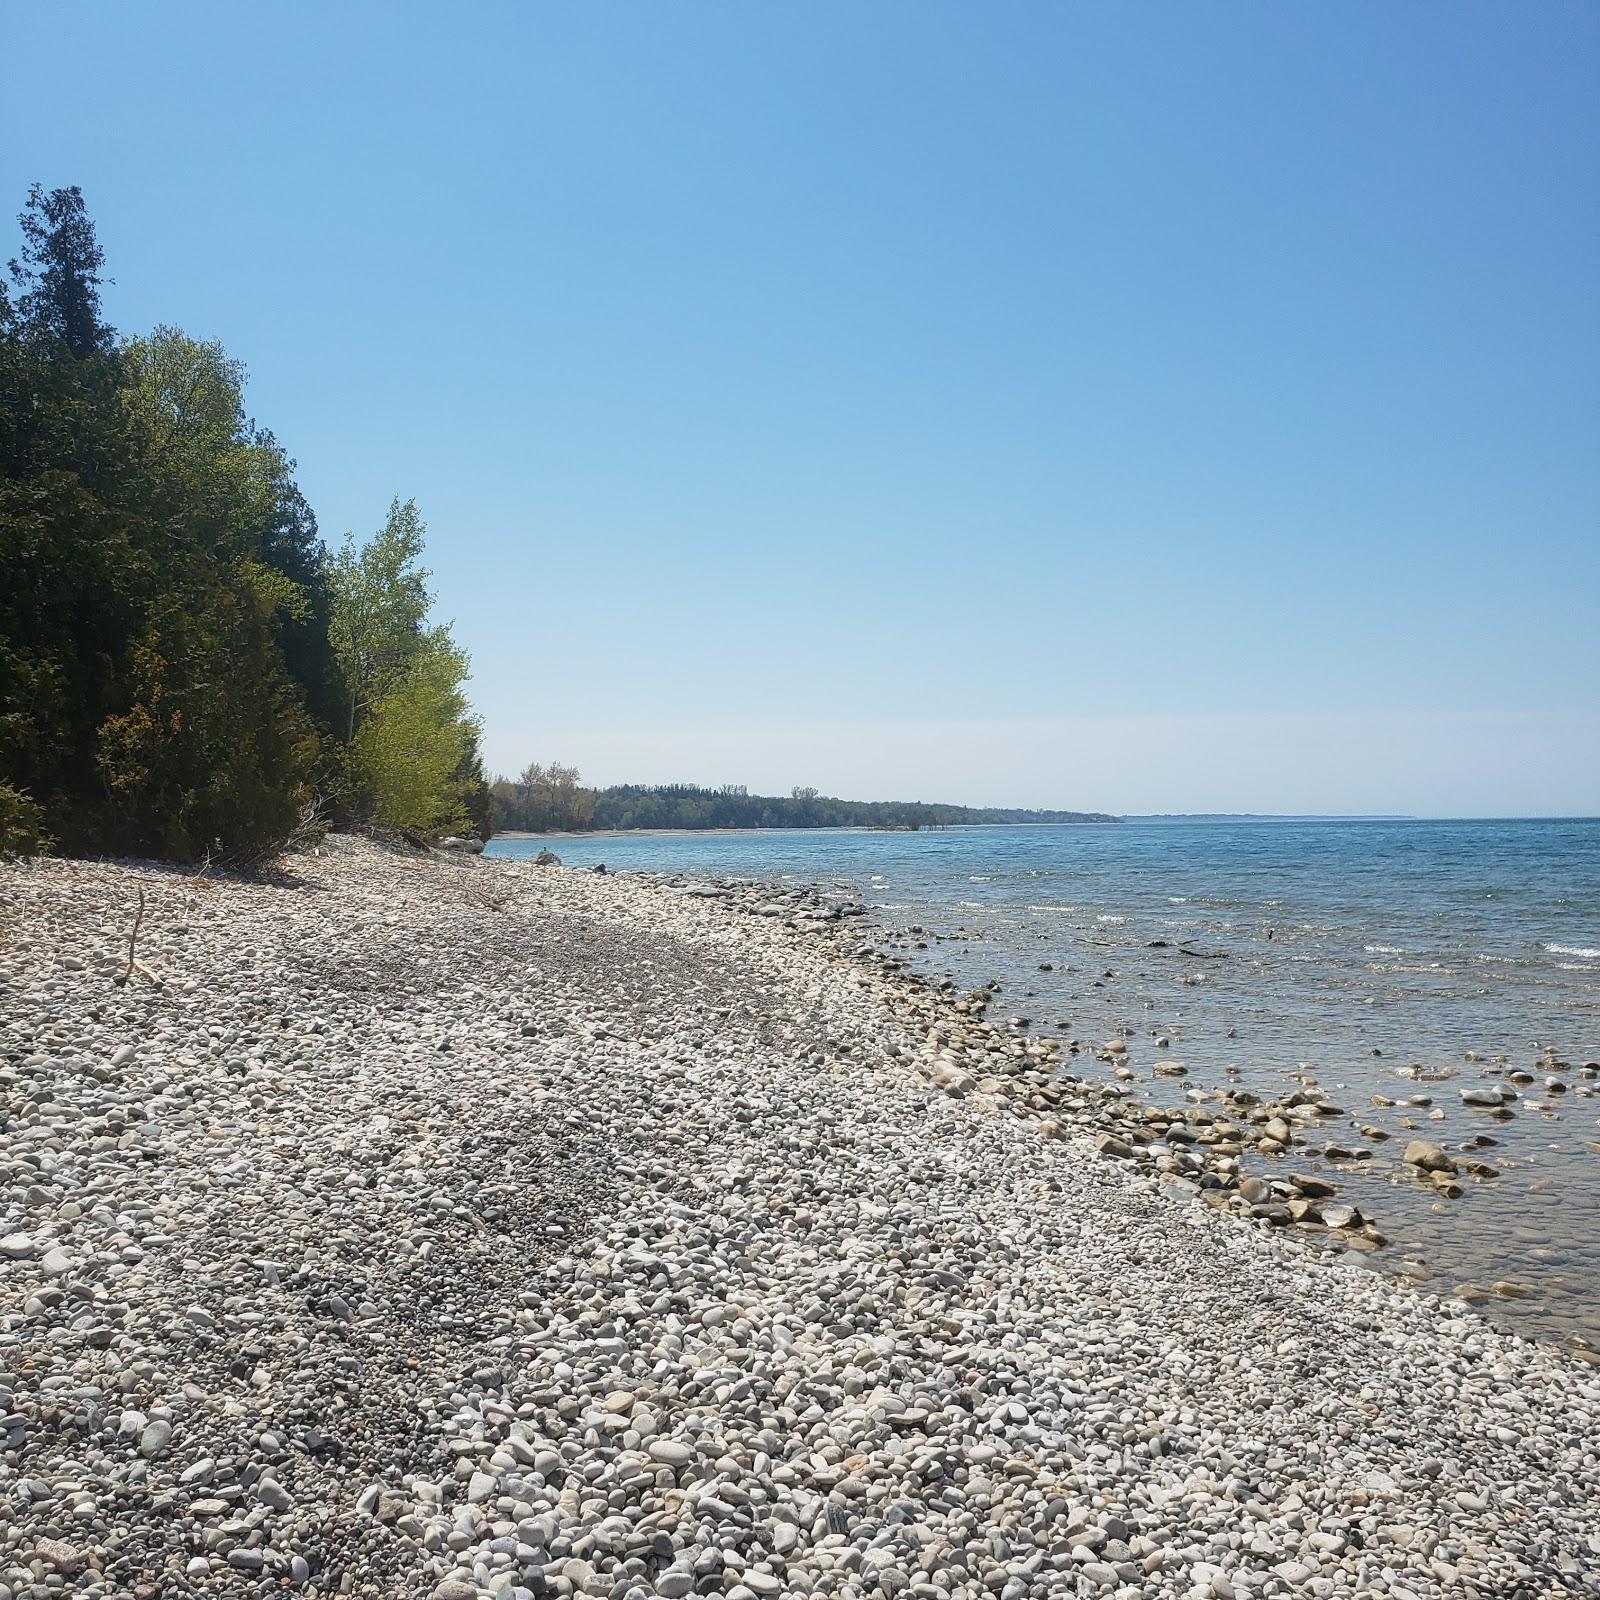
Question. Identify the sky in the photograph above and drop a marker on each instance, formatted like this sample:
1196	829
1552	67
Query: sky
1121	407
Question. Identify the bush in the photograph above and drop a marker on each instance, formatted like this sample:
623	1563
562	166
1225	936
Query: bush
21	825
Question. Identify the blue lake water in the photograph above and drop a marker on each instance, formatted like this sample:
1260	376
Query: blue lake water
1392	959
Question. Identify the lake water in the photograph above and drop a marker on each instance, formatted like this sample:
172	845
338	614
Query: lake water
1394	959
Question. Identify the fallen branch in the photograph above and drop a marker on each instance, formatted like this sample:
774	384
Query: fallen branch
133	939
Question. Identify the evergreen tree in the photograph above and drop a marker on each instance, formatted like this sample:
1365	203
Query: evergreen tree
71	577
182	668
59	273
146	590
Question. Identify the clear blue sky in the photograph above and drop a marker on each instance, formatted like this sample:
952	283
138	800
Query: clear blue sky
1149	407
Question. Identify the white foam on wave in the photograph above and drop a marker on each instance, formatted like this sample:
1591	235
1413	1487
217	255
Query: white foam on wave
1177	899
978	877
1383	949
1583	952
1110	919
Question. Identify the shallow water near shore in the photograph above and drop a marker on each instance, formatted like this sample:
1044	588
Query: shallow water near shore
1396	961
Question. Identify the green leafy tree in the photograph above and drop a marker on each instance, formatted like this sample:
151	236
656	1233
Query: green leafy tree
409	748
412	742
543	798
380	603
214	750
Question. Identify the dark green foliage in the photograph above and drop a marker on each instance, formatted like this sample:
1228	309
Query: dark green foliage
475	787
169	682
290	545
72	574
212	748
59	273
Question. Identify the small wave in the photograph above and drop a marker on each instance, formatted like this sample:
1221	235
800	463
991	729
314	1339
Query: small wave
1110	919
1583	952
978	877
1383	949
1177	899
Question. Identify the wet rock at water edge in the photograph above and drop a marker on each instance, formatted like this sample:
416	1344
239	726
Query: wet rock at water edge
1427	1157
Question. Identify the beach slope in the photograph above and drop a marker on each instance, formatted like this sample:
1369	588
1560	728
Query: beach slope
410	1226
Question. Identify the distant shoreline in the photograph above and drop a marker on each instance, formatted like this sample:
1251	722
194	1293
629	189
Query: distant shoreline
955	827
849	827
945	827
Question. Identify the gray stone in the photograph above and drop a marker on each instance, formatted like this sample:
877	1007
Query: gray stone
155	1438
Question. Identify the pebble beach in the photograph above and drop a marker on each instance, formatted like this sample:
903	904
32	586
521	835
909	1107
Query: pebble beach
404	1225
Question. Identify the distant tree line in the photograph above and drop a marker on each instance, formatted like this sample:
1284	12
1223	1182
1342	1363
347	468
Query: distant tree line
185	669
546	799
542	800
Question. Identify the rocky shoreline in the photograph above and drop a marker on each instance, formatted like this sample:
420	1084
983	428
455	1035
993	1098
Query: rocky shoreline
443	1226
1192	1150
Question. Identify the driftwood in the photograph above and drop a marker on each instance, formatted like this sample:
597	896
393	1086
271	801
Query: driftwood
134	963
133	939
